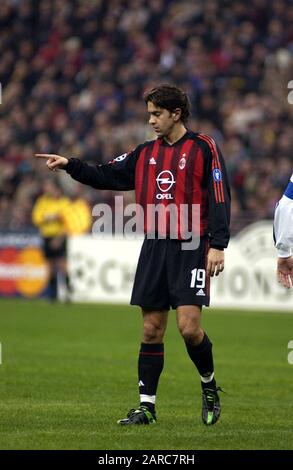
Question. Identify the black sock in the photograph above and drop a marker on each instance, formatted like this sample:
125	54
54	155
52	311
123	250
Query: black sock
53	286
68	284
202	357
150	366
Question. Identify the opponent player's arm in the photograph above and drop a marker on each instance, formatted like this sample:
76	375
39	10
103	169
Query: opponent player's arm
118	174
283	223
219	208
283	235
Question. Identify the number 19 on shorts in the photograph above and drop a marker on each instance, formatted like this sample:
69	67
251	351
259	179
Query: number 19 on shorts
198	278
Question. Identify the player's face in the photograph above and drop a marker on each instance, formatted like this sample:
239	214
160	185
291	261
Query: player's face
160	119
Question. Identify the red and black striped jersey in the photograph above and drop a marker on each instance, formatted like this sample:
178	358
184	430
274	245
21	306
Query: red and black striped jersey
189	173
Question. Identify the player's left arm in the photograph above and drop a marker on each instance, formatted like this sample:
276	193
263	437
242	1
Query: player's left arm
219	207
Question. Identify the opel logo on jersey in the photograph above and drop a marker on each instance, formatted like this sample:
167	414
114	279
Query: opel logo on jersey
217	175
165	180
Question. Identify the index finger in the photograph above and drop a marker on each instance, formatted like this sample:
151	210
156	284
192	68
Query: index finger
45	155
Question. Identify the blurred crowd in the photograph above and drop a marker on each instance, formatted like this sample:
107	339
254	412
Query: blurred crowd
73	73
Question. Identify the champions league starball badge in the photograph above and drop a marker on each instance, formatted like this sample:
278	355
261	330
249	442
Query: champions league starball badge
217	175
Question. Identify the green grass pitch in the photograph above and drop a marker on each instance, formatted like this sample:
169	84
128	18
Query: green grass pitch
69	372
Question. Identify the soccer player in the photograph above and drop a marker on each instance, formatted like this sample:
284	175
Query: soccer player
178	167
283	234
48	216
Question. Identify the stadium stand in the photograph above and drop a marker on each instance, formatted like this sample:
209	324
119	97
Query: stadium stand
73	73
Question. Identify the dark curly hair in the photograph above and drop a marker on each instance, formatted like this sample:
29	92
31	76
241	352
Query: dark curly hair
169	97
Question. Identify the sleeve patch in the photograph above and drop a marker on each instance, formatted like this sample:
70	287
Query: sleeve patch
217	175
120	158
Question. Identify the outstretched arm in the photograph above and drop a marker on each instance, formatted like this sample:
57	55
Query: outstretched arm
118	174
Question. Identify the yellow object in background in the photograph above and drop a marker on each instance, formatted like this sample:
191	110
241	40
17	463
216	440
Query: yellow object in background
33	272
48	215
77	217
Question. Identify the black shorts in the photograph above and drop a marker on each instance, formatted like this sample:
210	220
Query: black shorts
54	247
168	276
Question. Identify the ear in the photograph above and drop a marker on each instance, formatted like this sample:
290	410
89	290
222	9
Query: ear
176	114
